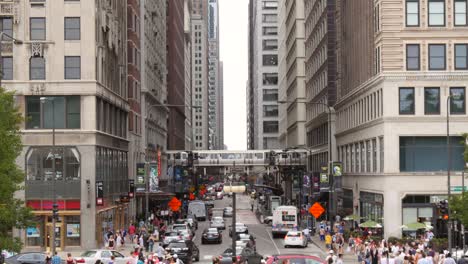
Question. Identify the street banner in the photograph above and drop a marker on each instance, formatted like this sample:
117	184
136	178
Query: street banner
140	173
153	178
306	181
337	172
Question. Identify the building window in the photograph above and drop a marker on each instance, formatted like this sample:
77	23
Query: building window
37	68
270	5
436	56
374	156
461	56
270	95
7	68
460	13
270	126
270	78
436	12
269	18
406	101
270	111
377	60
39	164
381	154
412	57
412	13
270	60
64	112
72	28
270	44
431	101
424	154
457	102
270	31
72	67
6	26
37	28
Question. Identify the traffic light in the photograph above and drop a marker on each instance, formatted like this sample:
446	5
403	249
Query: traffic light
55	211
443	209
272	158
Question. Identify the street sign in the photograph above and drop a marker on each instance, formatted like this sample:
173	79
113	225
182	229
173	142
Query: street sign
458	189
174	204
316	210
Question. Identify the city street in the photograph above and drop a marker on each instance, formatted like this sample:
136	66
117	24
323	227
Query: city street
266	245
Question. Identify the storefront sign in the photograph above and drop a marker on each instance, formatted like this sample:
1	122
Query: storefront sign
73	230
153	177
32	232
99	193
131	185
141	173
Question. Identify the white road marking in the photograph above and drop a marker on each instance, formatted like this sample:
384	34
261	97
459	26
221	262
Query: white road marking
271	238
208	257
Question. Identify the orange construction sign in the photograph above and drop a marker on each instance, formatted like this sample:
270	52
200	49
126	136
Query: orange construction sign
316	210
174	204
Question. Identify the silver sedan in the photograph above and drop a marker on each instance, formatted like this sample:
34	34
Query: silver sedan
218	222
90	257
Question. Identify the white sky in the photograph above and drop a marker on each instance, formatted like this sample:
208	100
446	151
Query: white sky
233	31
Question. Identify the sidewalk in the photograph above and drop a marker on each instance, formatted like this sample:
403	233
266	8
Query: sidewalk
347	257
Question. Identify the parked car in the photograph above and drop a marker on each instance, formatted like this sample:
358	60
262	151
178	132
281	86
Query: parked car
170	236
27	258
240	228
295	258
90	257
227	212
295	239
268	220
211	235
186	250
249	240
218	222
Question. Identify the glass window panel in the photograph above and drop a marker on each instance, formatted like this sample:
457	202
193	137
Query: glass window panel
59	105
461	56
270	78
431	101
270	60
412	13
270	95
73	112
437	57
406	100
270	110
72	67
6	25
37	28
457	102
72	28
33	115
7	68
460	12
412	57
410	215
425	212
270	126
437	13
37	68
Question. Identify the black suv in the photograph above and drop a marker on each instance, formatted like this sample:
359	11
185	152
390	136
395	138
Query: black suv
186	250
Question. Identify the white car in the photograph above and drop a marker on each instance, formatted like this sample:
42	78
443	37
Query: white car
217	222
90	257
295	239
186	234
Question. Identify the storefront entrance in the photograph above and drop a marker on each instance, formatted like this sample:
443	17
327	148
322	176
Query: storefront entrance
59	234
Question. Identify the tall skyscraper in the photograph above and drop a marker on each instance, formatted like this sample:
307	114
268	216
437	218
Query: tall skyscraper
188	74
263	131
214	89
200	126
176	74
291	73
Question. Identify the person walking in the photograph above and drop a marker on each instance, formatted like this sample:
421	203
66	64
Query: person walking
449	259
56	259
69	259
131	232
331	258
48	259
339	260
160	251
328	241
111	242
151	241
306	232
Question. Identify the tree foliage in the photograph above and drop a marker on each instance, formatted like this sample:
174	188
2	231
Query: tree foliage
13	213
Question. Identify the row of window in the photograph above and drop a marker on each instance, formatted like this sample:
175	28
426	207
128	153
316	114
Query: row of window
270	127
37	68
362	156
37	26
436	56
436	13
361	111
431	100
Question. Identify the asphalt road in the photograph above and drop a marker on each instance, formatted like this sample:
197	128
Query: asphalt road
266	245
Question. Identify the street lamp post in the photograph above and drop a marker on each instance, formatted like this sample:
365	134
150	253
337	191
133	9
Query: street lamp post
54	171
234	189
330	111
16	41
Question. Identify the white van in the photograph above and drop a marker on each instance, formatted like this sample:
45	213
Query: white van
197	209
284	220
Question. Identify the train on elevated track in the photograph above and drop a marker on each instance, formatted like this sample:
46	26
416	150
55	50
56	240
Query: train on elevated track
238	157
